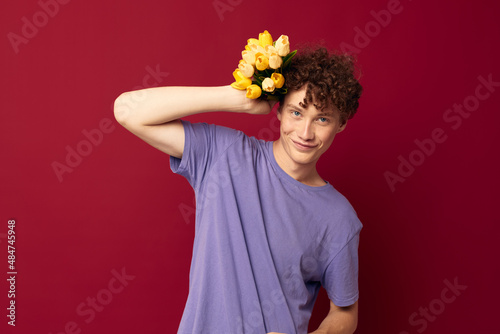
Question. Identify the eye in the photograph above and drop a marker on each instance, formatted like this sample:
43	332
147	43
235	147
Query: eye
323	119
295	113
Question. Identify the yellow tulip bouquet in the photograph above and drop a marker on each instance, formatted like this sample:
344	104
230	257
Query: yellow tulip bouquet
260	72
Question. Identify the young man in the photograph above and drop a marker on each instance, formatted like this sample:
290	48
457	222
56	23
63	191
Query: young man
269	230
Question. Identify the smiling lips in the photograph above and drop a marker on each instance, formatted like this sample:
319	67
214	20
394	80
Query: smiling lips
303	147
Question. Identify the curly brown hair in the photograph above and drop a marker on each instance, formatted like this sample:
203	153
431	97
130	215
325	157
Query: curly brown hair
330	80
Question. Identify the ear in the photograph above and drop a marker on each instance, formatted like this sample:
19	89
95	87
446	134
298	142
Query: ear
278	113
342	127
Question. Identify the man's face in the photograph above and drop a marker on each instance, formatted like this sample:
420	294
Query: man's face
306	133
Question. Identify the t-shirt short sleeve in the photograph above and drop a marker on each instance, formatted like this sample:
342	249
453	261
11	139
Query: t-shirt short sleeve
340	279
203	144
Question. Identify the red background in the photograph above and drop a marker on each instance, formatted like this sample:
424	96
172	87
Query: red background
121	207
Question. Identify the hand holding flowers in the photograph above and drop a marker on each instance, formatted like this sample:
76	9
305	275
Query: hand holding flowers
260	71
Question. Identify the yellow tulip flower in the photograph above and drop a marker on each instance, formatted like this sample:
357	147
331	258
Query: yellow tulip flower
265	39
262	62
246	69
241	82
253	92
279	79
275	61
283	45
251	41
270	50
257	48
268	85
249	57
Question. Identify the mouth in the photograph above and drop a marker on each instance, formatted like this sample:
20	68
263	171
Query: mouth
303	147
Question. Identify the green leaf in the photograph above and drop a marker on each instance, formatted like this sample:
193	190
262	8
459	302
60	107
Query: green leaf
259	78
268	73
281	91
288	58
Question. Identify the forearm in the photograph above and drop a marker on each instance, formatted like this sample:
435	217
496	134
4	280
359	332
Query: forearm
160	105
342	320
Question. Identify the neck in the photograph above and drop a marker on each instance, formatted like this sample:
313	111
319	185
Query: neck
304	173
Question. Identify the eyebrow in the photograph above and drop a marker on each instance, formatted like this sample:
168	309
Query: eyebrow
294	106
330	114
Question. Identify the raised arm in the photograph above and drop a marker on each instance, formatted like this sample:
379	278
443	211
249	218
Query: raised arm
153	114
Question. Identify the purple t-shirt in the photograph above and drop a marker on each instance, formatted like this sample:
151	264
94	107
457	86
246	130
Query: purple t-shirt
264	242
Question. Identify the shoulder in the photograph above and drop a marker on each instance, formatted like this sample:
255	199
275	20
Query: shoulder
337	200
210	128
339	206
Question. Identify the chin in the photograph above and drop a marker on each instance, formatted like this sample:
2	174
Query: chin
303	158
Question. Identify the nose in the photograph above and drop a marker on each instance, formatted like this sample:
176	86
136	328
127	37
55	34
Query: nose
306	132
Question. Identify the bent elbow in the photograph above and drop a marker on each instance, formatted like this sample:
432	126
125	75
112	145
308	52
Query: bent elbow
122	108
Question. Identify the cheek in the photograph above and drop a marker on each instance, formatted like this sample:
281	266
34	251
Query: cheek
327	136
286	126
